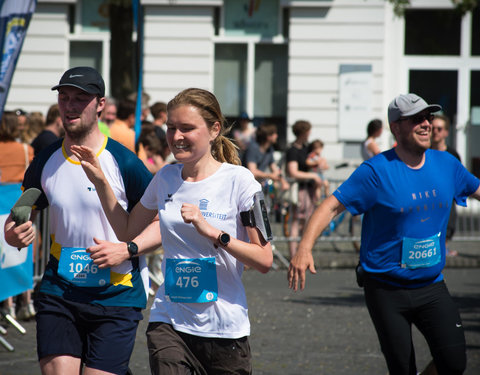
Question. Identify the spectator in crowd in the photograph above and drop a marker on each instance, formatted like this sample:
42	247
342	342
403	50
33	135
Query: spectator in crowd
159	114
22	124
319	165
405	194
108	116
145	113
53	130
243	133
122	128
192	332
440	132
33	126
370	147
259	157
298	170
15	157
155	149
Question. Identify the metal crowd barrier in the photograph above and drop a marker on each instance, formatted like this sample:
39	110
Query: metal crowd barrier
348	227
41	245
468	222
344	228
279	205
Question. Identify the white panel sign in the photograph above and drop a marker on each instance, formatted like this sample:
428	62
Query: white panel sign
355	102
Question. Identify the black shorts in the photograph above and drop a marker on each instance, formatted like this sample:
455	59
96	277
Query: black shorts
393	311
102	336
174	352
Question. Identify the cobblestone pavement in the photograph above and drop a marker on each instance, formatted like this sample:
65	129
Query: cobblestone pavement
324	329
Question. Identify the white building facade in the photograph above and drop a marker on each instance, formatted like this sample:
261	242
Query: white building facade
335	63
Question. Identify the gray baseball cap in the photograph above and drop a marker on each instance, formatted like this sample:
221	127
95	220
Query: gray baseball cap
409	105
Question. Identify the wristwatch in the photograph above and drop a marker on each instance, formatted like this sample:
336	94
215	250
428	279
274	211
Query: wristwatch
132	249
223	239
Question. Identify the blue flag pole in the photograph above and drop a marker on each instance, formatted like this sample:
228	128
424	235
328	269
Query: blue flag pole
15	16
138	22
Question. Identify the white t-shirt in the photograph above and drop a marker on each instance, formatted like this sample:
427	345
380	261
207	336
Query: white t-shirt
366	153
76	217
221	197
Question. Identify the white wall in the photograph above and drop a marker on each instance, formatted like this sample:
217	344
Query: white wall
321	39
178	50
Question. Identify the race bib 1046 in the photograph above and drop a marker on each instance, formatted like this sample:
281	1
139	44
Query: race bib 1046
77	267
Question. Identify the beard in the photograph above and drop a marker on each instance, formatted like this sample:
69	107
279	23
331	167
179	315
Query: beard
78	132
416	147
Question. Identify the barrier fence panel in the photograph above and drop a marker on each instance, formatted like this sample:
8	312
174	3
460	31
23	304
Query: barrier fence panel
41	244
347	228
344	228
468	222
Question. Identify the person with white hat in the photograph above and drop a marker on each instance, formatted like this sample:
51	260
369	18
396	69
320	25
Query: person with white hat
406	204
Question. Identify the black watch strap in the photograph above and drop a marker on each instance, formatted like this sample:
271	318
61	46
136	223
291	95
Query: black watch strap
132	249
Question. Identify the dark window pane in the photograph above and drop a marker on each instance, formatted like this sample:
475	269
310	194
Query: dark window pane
473	131
86	53
439	87
476	32
436	86
432	32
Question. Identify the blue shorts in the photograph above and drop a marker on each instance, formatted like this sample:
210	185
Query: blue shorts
102	336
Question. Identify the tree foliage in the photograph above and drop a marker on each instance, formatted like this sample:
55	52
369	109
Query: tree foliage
463	6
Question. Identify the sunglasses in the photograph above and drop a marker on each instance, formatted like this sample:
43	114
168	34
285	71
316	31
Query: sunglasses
437	128
418	119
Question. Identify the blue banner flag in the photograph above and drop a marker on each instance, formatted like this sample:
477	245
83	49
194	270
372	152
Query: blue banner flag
16	267
15	17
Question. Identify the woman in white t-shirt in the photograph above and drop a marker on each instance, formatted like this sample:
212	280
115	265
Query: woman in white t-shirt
199	318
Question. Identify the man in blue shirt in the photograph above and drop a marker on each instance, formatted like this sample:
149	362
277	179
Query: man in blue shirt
406	204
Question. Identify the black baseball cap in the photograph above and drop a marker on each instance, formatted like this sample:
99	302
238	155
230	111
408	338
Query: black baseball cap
85	78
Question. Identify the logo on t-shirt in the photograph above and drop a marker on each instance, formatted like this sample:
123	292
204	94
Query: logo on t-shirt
169	198
203	204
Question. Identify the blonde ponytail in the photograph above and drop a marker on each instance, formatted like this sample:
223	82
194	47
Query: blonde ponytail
225	151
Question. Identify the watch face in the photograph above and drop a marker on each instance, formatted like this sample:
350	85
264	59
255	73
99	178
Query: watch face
132	248
224	238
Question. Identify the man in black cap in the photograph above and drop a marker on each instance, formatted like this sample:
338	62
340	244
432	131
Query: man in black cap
406	204
89	303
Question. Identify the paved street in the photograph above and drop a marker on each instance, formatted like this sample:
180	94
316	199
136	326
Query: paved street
322	330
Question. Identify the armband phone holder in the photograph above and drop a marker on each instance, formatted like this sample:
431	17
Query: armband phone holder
257	216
